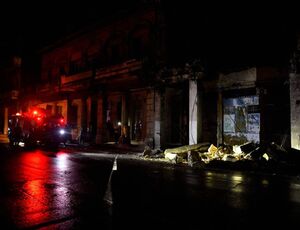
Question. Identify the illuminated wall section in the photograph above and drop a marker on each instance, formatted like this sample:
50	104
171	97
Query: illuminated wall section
193	108
295	110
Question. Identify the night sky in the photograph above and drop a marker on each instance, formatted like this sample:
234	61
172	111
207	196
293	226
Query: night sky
26	26
226	35
245	34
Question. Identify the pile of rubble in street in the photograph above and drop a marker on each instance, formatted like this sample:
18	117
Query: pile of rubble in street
207	154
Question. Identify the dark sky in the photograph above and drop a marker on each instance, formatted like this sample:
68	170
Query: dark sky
227	33
244	34
26	25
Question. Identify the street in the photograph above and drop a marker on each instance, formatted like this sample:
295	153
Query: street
66	189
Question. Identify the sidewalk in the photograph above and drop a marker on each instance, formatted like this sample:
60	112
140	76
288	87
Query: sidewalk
136	153
114	148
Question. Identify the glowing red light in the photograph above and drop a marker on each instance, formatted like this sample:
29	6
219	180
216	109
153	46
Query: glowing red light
35	112
62	120
39	119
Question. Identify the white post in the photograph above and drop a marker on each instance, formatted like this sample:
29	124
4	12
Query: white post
295	110
193	108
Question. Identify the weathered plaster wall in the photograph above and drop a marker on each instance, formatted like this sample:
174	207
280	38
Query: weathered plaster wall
295	110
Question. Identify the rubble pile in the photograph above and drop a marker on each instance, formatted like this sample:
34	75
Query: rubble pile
271	157
206	153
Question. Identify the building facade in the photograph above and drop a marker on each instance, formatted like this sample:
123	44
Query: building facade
99	81
119	82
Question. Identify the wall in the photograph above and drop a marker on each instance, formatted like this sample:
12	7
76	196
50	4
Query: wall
150	108
95	46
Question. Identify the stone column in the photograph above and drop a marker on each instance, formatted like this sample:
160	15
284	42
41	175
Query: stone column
150	117
193	112
124	116
100	136
5	121
68	110
84	113
93	117
88	111
220	118
157	120
125	131
295	110
162	122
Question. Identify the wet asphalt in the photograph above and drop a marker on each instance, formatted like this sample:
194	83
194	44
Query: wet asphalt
69	189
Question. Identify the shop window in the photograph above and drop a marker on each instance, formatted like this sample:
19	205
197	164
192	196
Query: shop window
241	120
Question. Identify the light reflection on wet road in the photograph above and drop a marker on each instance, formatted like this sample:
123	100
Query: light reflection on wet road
64	190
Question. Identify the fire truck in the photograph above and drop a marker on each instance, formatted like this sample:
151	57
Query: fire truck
35	128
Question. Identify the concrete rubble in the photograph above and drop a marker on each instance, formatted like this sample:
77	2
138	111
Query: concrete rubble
246	155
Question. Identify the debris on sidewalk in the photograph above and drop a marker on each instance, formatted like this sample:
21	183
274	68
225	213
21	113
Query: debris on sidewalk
249	153
155	153
183	150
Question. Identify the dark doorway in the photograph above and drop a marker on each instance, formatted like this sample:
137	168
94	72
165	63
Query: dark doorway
177	115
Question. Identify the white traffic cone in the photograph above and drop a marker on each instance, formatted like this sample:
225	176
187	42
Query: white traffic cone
115	166
108	194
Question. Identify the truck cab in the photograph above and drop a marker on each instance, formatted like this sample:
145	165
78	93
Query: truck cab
36	128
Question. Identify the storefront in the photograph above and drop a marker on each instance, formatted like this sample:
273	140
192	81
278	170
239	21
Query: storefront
241	119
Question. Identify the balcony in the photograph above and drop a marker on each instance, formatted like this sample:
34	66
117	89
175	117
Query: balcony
47	89
67	80
120	69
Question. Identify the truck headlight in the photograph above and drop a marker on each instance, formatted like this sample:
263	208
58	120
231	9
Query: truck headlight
62	131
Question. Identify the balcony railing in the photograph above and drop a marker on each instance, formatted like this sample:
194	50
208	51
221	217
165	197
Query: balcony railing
65	79
123	68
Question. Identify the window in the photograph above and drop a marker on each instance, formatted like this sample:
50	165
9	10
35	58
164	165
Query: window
241	120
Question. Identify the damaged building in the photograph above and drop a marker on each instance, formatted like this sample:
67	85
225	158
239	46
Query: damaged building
96	79
144	77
